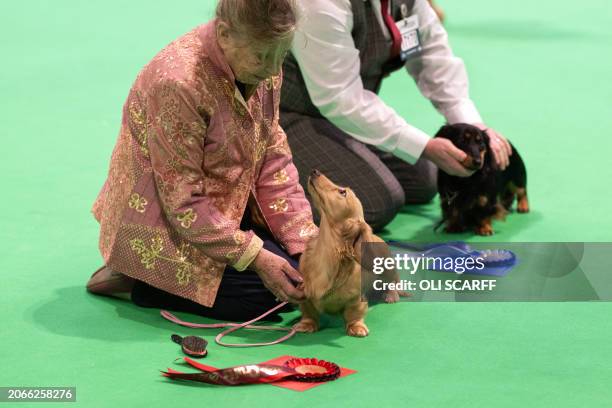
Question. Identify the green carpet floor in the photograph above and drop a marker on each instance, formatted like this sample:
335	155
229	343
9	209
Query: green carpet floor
540	75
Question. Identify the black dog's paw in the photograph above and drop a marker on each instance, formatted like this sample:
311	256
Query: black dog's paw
485	230
522	203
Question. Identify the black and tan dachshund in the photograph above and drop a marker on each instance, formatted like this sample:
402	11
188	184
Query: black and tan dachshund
470	203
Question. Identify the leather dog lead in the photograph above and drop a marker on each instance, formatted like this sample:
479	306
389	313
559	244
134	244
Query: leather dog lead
236	326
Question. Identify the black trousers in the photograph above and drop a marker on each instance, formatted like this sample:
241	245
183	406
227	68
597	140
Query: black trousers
242	295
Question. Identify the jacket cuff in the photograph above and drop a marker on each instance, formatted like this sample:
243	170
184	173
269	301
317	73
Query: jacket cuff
296	248
410	144
249	254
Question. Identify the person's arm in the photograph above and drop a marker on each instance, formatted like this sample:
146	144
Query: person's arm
175	144
287	212
279	193
442	78
440	75
329	62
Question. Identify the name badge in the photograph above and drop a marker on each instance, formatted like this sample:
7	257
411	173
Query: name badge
411	40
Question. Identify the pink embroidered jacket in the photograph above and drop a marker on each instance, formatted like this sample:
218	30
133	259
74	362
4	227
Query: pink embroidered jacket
190	154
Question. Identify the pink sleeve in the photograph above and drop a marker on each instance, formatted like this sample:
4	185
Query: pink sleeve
281	196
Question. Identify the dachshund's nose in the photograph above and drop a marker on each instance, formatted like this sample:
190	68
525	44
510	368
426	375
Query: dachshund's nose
315	173
477	162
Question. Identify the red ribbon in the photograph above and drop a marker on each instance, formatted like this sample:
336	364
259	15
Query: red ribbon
244	374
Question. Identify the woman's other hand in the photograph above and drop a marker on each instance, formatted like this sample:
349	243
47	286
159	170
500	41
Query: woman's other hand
278	276
499	145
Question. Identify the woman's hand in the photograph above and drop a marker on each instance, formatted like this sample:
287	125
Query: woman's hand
447	157
277	275
499	146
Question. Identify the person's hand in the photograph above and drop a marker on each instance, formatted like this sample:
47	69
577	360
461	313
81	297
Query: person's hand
447	157
277	275
499	146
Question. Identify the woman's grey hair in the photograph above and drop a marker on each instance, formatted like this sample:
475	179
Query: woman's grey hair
259	20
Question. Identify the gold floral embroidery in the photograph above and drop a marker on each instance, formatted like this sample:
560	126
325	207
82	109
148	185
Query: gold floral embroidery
260	150
280	205
281	177
301	219
276	82
239	237
308	230
235	97
272	82
267	124
183	274
139	119
172	167
150	254
196	131
187	218
138	203
269	84
281	148
170	121
184	270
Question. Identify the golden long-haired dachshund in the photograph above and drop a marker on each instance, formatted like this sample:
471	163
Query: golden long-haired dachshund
330	264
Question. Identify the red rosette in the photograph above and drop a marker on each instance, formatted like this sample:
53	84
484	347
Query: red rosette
313	370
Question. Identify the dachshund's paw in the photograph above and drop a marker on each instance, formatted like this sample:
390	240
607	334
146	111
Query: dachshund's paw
522	206
485	230
522	203
393	296
357	329
306	326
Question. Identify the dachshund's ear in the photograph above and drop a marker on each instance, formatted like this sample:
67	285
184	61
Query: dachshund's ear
447	132
354	232
485	137
489	162
450	132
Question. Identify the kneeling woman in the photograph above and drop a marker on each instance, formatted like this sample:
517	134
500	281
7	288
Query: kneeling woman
202	210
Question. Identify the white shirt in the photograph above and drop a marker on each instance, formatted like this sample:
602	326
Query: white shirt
326	53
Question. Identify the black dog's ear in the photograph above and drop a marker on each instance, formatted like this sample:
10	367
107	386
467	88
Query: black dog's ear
447	132
489	162
485	137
